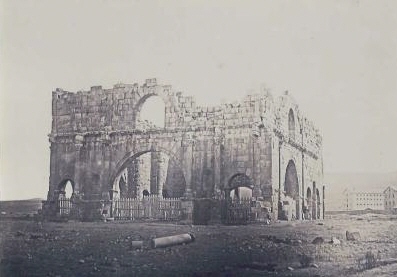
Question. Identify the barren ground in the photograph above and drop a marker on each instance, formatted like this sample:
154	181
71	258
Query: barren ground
29	248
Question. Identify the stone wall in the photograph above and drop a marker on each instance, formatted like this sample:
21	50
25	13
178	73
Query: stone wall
98	133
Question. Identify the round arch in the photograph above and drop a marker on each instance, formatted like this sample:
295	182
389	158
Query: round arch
66	188
156	103
291	186
167	100
131	156
239	186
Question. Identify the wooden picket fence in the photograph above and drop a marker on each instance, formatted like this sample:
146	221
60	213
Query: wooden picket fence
65	205
237	211
150	207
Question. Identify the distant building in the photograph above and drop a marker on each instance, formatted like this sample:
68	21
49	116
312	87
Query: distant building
390	198
361	200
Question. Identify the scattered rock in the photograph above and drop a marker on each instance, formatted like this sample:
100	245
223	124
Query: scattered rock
36	236
335	241
81	261
296	242
353	236
20	234
318	240
290	268
136	244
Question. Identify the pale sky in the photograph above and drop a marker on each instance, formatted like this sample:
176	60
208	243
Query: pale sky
338	59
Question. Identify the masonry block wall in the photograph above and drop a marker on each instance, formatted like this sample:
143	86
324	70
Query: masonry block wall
97	133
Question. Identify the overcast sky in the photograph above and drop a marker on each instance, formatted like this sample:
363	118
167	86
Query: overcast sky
338	59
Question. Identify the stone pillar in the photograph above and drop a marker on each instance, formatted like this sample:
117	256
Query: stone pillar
218	141
53	162
78	144
257	192
187	145
161	174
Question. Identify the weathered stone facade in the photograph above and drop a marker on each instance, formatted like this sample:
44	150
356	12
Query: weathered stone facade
263	143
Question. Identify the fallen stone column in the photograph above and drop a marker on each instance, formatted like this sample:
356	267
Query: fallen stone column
172	240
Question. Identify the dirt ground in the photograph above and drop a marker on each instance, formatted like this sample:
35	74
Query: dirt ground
30	248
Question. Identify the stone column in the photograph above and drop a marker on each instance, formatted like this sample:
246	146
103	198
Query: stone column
257	192
187	146
218	141
160	174
78	144
53	162
280	143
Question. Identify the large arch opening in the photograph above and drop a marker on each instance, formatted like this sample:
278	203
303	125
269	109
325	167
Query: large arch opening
291	193
148	173
291	124
66	188
239	187
150	113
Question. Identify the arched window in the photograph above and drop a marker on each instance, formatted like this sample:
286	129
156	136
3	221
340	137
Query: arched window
291	124
152	113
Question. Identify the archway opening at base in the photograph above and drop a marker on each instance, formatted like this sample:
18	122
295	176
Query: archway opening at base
66	188
151	113
239	187
149	173
290	195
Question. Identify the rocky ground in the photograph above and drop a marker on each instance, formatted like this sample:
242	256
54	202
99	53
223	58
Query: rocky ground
31	248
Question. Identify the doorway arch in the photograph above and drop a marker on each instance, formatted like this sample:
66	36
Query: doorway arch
66	188
239	187
291	186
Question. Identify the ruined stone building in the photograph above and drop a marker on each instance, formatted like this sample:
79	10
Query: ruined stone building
261	147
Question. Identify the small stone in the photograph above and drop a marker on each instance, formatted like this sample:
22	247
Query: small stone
314	265
353	236
318	240
290	268
81	261
335	241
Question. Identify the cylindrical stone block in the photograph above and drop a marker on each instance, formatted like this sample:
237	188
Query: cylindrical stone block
172	240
